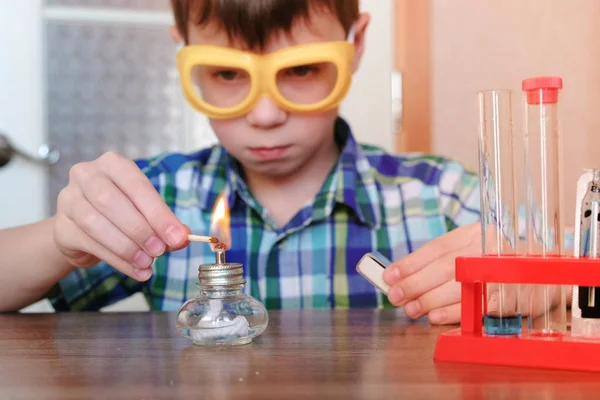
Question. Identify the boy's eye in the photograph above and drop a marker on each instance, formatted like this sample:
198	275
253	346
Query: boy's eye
227	75
302	70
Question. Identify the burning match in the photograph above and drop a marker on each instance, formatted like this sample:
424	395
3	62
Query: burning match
205	239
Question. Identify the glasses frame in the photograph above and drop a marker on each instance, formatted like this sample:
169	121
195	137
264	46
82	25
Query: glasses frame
262	70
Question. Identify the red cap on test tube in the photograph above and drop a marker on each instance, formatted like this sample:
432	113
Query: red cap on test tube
545	234
543	89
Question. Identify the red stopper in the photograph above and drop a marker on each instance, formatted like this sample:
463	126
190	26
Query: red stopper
543	89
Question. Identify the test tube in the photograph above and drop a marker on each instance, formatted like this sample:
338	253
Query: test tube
589	297
547	303
502	312
585	315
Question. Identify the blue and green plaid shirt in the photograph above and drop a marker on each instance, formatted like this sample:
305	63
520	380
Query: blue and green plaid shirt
370	201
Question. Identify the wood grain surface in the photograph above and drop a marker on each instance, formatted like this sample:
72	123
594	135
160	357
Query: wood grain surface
365	354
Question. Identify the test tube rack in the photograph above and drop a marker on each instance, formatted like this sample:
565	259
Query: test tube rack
470	344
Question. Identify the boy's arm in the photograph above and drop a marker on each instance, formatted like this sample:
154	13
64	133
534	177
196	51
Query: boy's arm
109	211
31	264
423	282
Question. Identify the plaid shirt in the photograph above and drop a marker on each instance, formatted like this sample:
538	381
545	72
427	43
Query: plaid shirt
371	201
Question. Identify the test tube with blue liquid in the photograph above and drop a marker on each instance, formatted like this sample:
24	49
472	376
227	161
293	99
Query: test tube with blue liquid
499	214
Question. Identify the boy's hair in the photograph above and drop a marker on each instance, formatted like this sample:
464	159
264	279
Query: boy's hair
254	21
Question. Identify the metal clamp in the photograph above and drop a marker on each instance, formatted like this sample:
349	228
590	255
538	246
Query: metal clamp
47	155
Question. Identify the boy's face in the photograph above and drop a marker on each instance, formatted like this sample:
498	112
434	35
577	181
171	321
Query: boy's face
269	141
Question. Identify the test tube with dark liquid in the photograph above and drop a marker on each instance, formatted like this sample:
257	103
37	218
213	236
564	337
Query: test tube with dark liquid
589	297
547	303
499	224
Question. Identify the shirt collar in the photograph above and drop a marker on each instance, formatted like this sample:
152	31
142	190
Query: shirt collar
353	183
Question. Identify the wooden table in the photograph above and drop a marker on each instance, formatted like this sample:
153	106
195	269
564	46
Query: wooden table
301	355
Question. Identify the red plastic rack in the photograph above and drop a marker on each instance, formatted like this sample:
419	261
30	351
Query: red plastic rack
469	344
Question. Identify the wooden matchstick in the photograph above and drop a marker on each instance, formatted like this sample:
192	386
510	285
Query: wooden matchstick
205	239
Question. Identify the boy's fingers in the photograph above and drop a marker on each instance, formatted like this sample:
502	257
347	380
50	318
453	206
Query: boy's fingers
88	245
103	232
423	281
183	243
452	242
445	315
413	262
136	186
109	201
441	296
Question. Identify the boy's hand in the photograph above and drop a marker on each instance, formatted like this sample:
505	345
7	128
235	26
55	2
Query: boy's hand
424	280
110	211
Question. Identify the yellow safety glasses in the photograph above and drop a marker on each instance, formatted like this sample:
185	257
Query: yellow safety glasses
222	82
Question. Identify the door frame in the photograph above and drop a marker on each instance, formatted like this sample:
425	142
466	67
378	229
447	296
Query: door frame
413	60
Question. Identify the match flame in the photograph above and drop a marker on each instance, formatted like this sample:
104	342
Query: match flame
219	224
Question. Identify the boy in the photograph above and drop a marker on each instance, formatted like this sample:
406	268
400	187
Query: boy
306	201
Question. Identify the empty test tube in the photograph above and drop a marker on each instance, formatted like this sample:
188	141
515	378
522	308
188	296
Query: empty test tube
547	303
502	313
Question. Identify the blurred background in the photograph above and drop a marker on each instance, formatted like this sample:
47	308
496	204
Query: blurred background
447	50
90	76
